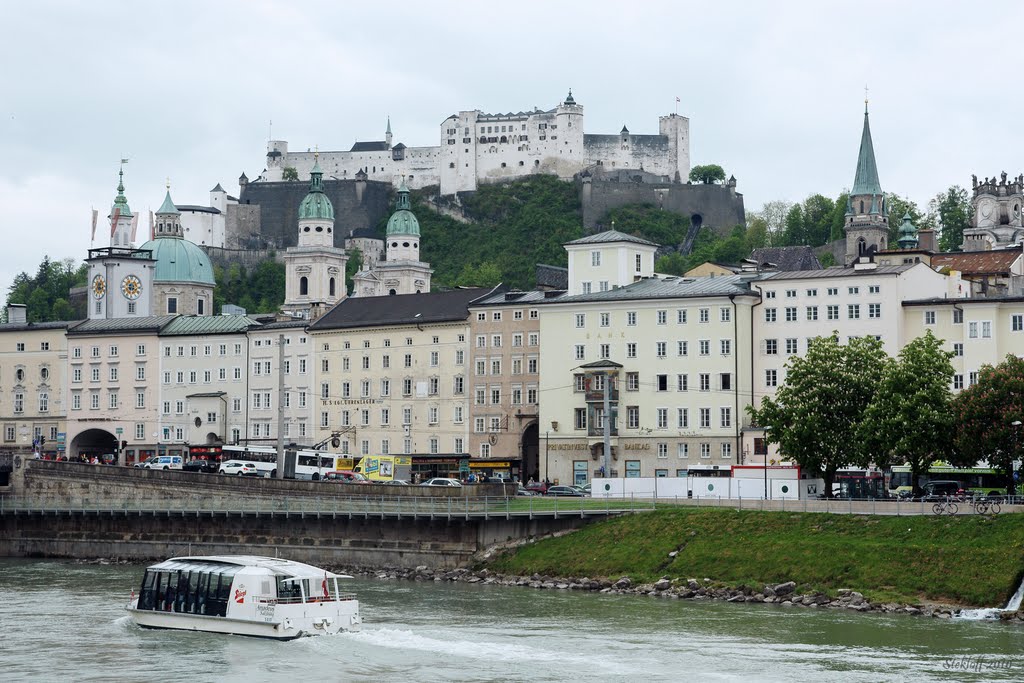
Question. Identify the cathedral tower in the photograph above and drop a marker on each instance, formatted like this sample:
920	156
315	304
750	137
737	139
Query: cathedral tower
867	216
314	268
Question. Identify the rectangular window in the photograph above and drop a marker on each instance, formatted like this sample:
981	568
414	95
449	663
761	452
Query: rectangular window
630	349
682	450
662	415
632	381
972	329
605	322
770	315
791	346
704	315
725	381
605	351
853	311
725	314
580	352
929	317
682	348
660	349
791	314
631	318
986	329
726	450
874	310
771	378
632	417
958	382
661	382
662	317
833	311
705	418
705	381
683	418
725	417
1017	322
581	320
725	346
682	382
140	400
958	316
812	313
595	258
580	418
771	347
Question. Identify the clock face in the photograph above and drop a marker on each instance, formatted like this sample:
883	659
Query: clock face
99	286
131	287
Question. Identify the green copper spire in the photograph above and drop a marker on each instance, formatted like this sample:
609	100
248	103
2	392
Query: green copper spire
316	204
866	179
168	206
120	201
907	233
403	221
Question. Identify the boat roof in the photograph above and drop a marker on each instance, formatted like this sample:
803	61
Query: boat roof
274	565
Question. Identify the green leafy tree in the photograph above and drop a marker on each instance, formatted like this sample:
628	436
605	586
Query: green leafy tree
818	212
771	219
657	225
353	266
793	234
259	290
46	295
827	260
707	174
952	209
836	231
898	206
985	414
910	419
479	275
289	173
814	414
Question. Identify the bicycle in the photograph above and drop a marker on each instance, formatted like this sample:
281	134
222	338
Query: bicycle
945	506
985	505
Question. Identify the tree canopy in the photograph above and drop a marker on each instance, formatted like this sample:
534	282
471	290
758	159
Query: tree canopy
985	413
289	173
910	419
47	294
814	414
257	290
952	209
707	174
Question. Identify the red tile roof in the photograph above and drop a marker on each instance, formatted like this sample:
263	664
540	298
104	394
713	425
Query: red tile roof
996	262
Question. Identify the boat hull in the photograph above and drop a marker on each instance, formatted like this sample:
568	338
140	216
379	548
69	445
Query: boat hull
286	628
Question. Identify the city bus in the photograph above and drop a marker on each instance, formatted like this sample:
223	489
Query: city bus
309	464
982	481
859	484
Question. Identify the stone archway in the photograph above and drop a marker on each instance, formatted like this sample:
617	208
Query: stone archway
93	442
529	452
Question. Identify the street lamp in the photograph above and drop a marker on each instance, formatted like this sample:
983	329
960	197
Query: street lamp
1016	432
765	465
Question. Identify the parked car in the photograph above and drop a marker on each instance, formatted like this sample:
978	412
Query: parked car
346	477
164	462
585	488
564	491
942	489
142	463
201	465
522	491
538	488
393	482
442	481
239	467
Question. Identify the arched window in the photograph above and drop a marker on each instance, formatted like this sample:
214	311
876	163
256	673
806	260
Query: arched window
303	286
332	286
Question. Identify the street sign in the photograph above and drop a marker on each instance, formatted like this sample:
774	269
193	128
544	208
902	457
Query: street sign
119	431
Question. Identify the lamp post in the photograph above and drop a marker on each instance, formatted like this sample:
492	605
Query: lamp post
1016	448
547	439
766	431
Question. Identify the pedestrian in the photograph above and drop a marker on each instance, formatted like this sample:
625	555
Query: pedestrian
530	482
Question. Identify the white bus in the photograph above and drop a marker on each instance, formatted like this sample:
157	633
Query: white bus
264	457
315	464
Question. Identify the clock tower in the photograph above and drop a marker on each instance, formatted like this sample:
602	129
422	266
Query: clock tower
120	276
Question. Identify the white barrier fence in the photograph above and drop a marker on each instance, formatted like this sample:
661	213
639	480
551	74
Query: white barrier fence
707	487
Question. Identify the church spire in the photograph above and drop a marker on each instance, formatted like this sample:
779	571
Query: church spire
866	179
120	201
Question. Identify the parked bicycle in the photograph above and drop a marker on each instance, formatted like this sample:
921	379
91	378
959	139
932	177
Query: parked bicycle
947	506
985	505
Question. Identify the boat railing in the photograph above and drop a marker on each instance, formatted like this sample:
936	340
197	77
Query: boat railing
340	597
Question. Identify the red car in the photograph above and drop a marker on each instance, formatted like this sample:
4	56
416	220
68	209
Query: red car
538	487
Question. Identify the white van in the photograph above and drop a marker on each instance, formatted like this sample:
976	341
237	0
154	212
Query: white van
164	462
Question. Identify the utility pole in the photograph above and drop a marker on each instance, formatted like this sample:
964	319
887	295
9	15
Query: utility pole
280	406
607	424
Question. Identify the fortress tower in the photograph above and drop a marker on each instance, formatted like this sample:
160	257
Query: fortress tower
997	221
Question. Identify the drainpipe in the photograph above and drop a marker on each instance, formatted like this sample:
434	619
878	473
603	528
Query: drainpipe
753	351
736	377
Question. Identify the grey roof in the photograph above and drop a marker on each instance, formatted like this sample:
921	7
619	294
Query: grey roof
838	271
28	327
786	258
611	236
146	323
515	298
669	287
218	188
205	324
207	394
372	146
405	309
982	300
284	324
555	277
196	208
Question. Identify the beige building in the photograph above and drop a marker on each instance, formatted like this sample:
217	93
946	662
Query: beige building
606	260
978	331
113	388
33	363
674	353
504	379
203	380
298	363
393	376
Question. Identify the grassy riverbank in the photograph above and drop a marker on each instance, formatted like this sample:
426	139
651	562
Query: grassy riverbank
968	560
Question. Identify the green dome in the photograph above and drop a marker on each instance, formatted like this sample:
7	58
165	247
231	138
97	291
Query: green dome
403	221
316	204
178	260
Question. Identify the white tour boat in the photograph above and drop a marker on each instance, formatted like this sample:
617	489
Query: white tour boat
244	595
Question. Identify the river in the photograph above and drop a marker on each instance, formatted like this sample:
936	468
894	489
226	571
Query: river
64	621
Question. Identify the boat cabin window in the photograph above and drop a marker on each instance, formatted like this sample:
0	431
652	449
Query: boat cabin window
188	588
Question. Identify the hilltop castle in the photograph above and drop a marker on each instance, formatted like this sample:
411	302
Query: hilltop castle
478	148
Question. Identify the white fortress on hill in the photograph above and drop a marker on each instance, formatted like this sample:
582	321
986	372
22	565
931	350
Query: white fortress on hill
480	148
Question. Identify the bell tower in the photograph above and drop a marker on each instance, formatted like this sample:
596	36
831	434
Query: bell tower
867	216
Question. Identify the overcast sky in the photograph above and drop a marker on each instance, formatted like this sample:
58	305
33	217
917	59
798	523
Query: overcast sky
774	91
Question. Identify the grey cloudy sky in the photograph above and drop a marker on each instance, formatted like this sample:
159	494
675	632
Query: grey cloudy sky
774	91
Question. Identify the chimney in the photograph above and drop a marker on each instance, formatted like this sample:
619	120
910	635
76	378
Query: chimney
17	314
926	239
